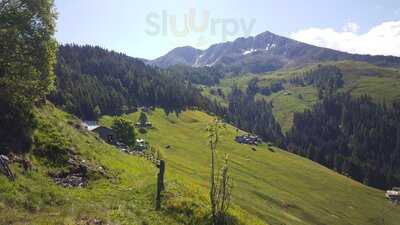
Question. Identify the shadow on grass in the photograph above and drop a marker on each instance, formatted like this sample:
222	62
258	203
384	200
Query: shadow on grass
188	207
187	214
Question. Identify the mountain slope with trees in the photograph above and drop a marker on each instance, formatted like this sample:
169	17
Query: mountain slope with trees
288	96
353	136
342	115
92	81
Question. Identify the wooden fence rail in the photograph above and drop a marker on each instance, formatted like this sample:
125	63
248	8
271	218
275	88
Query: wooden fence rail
5	169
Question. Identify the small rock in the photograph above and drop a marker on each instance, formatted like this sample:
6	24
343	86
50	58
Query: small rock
71	180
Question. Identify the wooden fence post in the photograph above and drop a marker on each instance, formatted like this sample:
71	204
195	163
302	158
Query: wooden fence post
160	184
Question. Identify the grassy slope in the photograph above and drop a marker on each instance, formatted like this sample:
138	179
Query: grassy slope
289	101
382	84
379	83
125	198
276	186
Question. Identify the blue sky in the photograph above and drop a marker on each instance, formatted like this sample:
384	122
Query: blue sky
146	28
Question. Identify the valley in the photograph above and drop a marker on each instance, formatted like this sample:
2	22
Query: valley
249	130
271	185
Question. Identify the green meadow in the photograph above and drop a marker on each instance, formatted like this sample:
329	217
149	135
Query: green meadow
269	184
382	84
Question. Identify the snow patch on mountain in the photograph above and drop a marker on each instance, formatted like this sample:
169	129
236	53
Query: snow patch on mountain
249	51
270	46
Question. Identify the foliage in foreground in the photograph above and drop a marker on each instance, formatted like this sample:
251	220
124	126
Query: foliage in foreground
27	58
220	184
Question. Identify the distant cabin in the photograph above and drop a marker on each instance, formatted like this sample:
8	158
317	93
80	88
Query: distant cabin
248	139
90	125
287	93
147	125
393	195
140	145
107	134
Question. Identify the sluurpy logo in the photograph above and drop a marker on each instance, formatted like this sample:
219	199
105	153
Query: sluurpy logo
201	25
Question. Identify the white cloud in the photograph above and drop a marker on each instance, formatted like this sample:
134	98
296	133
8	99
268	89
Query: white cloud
351	27
383	39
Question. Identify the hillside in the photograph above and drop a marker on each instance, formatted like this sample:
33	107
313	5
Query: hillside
382	84
124	198
262	53
93	81
283	187
271	184
120	187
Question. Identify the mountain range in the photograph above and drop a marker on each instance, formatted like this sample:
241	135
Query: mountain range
262	53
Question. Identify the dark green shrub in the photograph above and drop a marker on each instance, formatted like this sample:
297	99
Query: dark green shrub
52	145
